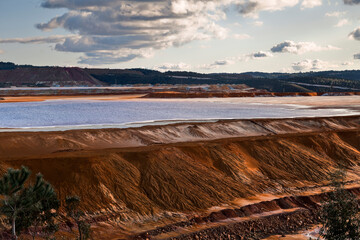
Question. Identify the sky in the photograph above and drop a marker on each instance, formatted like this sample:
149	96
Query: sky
183	35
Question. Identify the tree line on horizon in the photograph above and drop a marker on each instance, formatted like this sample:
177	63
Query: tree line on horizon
333	81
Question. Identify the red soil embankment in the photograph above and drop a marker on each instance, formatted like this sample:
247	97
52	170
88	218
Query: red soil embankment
157	172
183	167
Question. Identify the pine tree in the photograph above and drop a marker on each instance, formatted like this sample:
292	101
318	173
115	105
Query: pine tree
72	205
12	188
24	206
340	213
41	215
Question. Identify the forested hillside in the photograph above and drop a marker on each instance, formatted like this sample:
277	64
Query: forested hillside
327	81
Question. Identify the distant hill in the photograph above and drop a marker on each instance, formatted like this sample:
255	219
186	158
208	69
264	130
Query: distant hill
335	81
326	81
46	76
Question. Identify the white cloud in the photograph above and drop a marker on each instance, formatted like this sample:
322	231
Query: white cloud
348	63
233	60
75	4
342	22
352	2
173	66
300	47
311	3
312	65
241	36
251	8
258	55
116	31
38	40
217	64
108	56
335	14
355	34
258	23
204	46
124	27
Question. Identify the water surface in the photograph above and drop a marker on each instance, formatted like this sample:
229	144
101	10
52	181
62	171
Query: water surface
71	114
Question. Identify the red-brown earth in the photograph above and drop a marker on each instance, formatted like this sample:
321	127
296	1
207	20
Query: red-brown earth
203	179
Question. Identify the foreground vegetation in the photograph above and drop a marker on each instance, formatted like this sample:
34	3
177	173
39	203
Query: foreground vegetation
33	208
340	213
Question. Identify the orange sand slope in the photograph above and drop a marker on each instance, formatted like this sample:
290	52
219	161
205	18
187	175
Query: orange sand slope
150	174
284	98
185	166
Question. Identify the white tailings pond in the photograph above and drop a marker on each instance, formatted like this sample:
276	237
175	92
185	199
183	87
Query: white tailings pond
54	115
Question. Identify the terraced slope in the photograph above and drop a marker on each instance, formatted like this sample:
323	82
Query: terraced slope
146	177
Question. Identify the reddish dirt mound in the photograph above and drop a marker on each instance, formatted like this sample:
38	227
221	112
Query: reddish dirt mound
149	170
150	173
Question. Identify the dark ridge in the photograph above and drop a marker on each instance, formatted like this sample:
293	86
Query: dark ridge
325	81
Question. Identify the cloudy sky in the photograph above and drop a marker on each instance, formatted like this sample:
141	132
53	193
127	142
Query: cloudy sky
191	35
